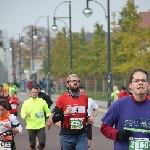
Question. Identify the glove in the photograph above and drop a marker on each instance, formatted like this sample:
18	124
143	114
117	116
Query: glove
123	135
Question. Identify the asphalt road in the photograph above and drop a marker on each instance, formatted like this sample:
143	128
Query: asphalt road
99	142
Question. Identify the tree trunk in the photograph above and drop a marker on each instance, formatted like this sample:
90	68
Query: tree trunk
103	85
125	81
86	82
95	84
61	85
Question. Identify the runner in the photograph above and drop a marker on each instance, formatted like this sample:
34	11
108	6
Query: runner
33	112
13	100
71	109
92	106
127	121
9	125
12	87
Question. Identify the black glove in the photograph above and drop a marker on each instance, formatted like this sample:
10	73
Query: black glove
123	135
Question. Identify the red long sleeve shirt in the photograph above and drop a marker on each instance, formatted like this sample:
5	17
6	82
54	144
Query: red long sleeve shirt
14	103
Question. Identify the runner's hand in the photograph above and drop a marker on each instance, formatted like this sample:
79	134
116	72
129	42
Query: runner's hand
7	126
27	115
48	124
58	124
91	119
68	110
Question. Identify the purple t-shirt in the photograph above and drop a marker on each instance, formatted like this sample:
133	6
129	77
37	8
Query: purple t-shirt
127	114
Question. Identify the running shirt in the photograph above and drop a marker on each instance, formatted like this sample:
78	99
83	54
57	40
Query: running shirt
75	122
128	114
14	104
6	136
36	107
91	105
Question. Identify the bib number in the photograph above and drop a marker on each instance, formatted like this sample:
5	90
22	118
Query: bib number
5	145
39	115
76	123
139	143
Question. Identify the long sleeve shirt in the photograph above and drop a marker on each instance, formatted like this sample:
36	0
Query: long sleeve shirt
36	107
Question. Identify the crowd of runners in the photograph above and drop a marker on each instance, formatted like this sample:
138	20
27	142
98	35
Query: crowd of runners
127	121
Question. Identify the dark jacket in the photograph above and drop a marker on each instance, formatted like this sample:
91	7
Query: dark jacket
46	98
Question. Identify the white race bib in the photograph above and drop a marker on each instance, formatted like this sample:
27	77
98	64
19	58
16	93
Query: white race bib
139	143
5	145
39	115
13	106
76	123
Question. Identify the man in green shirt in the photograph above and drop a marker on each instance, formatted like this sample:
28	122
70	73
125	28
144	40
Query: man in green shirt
33	112
12	87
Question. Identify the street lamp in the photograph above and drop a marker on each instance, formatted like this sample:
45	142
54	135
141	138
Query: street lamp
55	28
88	12
48	50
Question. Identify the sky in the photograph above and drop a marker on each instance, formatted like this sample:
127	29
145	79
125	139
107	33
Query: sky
15	15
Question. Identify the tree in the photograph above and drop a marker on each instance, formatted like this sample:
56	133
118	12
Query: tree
81	56
98	54
127	45
60	54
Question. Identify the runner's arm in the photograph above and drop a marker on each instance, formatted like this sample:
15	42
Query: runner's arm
47	110
109	132
15	125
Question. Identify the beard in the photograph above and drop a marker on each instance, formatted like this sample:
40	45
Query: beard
74	89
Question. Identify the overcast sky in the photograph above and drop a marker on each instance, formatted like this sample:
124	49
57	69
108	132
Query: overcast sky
17	14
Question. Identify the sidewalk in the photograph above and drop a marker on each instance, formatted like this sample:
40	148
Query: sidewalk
102	105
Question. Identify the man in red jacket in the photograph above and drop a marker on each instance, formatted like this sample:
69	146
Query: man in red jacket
123	92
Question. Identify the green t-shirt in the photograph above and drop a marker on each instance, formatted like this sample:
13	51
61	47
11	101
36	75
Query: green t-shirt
114	95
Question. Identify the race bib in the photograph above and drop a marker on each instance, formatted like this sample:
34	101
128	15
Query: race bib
139	143
39	114
5	145
13	106
76	123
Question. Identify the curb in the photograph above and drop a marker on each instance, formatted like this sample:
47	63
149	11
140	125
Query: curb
102	111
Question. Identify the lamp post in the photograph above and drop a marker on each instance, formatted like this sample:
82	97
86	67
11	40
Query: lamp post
55	28
48	50
88	12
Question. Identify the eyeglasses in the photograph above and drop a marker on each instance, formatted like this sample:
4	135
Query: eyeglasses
78	81
138	80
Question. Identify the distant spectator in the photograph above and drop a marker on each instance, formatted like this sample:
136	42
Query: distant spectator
52	86
1	90
44	84
34	83
123	92
29	84
16	84
114	94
